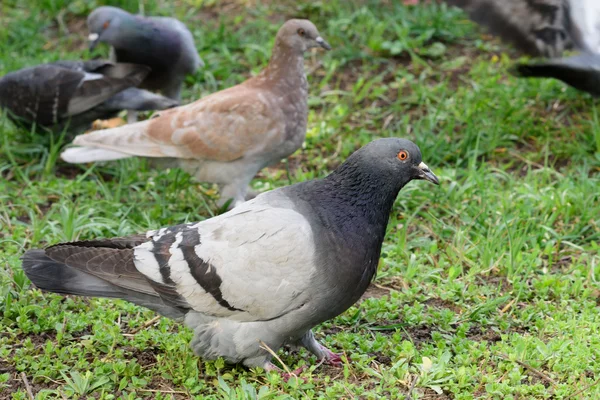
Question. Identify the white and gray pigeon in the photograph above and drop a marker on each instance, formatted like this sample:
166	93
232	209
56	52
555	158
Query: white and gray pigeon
162	43
547	28
73	94
267	271
228	136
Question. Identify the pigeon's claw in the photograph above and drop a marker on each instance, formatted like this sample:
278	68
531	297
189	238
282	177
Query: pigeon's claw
269	366
333	359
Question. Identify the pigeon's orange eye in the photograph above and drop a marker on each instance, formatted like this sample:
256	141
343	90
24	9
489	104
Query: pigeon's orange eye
301	32
402	155
106	24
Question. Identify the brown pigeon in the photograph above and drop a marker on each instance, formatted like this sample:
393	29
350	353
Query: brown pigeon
228	136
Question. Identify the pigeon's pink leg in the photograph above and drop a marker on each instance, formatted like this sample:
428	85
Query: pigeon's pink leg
269	366
331	358
322	352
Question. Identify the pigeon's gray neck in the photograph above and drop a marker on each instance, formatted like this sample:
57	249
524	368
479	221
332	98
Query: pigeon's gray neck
349	212
365	194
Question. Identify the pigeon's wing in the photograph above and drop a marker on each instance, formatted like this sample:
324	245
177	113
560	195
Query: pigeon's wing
539	28
224	126
107	80
189	47
581	71
253	263
48	93
40	94
100	268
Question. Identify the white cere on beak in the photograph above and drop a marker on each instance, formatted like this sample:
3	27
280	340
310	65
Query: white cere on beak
423	166
93	37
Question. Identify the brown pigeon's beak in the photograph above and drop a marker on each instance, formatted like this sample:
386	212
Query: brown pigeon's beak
94	38
323	43
426	174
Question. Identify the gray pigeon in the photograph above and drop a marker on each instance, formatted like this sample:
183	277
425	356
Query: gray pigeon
228	136
581	71
536	27
164	44
75	93
267	271
547	28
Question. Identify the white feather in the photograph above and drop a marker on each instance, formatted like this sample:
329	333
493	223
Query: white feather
78	155
146	263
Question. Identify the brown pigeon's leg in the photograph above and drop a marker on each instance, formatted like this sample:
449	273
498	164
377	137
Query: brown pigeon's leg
234	191
322	352
250	194
132	116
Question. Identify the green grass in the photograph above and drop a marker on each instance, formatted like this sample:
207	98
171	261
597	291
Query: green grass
488	284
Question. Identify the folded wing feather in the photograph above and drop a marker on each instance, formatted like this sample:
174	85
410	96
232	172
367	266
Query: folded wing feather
221	127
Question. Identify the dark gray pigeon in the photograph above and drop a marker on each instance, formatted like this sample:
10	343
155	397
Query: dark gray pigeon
267	271
547	28
75	93
581	71
162	43
230	135
536	27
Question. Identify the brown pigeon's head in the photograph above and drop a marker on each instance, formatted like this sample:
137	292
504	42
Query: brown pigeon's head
300	35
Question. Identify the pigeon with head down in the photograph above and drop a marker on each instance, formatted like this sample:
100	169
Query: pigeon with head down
228	136
265	272
73	94
162	43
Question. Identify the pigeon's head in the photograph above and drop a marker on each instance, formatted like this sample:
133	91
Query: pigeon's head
397	161
103	24
300	35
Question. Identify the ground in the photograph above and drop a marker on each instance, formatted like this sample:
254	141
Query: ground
487	285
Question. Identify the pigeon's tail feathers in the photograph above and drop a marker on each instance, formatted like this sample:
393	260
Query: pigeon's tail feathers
57	277
53	276
131	139
536	70
80	155
581	72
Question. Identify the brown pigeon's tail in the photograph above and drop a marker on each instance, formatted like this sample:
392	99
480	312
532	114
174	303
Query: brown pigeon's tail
113	144
80	155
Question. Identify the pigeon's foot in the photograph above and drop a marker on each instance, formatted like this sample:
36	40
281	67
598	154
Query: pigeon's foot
107	123
331	358
322	352
269	366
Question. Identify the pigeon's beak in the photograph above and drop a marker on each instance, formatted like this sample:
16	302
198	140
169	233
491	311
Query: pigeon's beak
426	174
94	38
323	43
